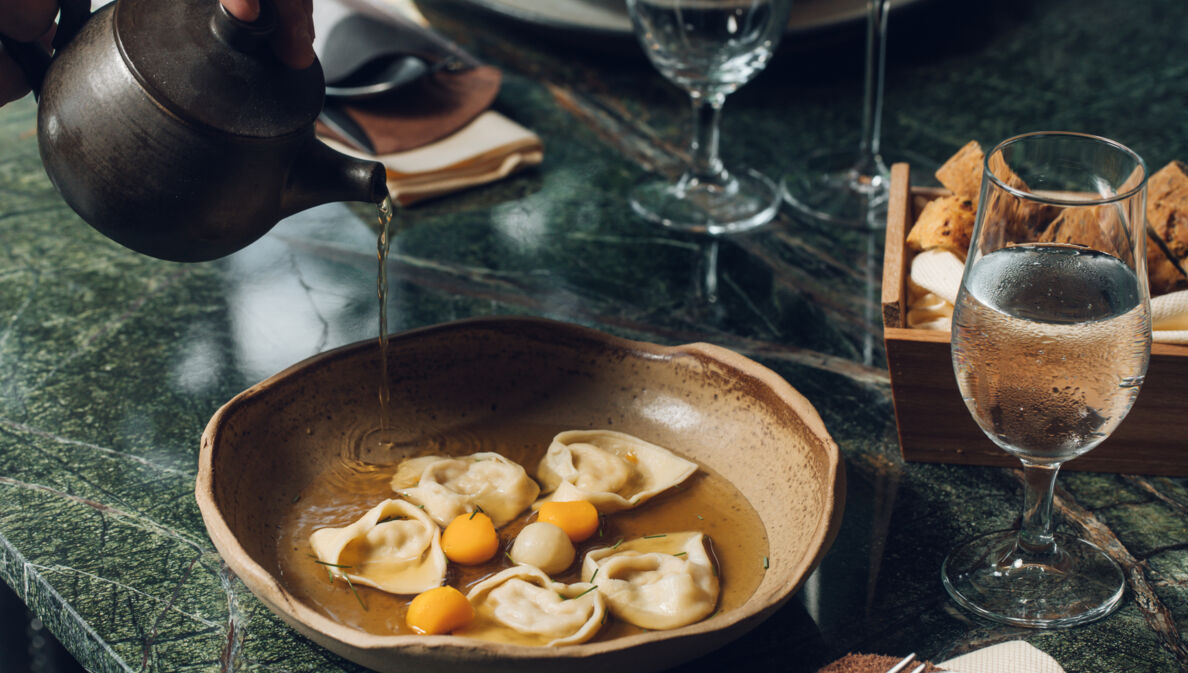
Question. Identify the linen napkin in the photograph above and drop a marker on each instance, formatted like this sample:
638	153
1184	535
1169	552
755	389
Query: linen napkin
1015	656
487	149
936	276
436	135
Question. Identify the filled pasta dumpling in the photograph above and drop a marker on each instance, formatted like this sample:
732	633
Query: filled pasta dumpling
522	605
612	470
394	547
656	582
448	487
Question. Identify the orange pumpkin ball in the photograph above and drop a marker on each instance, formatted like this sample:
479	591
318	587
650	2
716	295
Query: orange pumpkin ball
470	539
579	518
439	610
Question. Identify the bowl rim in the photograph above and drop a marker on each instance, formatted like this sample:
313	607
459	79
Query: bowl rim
267	587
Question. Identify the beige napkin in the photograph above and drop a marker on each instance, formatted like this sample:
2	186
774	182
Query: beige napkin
936	275
487	149
1013	656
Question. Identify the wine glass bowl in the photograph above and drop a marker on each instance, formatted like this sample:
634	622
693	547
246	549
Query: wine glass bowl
1050	344
709	48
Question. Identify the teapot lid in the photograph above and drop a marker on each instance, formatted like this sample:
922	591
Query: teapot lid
210	68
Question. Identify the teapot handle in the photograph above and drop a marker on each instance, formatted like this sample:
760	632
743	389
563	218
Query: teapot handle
32	58
240	35
75	14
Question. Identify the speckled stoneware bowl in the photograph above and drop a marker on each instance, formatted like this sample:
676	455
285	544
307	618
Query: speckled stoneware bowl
720	409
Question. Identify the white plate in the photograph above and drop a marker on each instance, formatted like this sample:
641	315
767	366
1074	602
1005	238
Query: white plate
610	16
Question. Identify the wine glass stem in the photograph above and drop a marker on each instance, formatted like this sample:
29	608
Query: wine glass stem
872	99
1035	534
706	165
709	272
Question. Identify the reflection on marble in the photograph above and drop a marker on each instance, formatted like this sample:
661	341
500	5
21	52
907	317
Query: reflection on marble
111	363
288	301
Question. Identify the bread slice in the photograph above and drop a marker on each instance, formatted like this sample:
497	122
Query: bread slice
962	173
946	222
1167	221
1096	227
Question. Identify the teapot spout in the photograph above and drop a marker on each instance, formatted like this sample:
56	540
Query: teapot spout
322	175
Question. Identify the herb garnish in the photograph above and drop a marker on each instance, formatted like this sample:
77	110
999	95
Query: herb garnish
680	553
332	565
649	537
594	575
352	587
569	598
477	509
616	545
765	563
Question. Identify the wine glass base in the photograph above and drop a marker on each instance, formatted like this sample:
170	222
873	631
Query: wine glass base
835	187
1076	585
747	200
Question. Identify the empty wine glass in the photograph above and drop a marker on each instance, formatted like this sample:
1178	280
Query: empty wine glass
849	186
1051	338
709	48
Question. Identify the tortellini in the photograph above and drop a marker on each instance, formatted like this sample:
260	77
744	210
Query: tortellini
522	605
394	547
612	470
448	487
657	582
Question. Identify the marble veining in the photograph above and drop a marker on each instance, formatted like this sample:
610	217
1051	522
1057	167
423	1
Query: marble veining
111	363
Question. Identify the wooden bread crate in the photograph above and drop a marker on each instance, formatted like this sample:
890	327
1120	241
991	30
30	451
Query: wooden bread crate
934	424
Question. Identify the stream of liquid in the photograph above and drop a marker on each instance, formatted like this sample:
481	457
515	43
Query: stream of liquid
382	246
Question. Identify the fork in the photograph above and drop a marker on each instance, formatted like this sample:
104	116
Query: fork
903	663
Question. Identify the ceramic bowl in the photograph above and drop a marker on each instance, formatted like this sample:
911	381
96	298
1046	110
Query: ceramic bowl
722	410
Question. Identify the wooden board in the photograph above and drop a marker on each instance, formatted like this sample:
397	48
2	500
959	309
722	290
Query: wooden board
933	423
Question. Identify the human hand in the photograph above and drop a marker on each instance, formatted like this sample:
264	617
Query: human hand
23	21
293	39
29	20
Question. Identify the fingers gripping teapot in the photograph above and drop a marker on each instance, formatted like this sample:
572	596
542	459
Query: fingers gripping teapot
171	127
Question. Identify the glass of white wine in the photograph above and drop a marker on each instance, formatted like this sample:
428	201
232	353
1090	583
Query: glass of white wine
1051	338
709	48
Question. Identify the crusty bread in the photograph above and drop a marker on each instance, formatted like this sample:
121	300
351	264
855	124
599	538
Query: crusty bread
1167	218
1024	219
946	222
962	173
1162	273
1096	228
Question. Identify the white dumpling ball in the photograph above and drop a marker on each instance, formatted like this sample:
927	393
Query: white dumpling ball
545	546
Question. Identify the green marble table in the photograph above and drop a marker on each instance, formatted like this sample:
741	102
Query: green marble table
112	362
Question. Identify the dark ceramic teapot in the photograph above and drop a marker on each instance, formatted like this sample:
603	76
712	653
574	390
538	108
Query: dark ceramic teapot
171	127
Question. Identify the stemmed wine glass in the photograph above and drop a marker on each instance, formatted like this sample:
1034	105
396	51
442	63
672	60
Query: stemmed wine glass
848	186
1051	337
709	48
